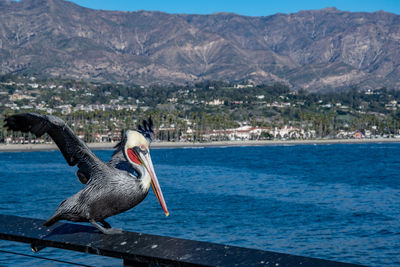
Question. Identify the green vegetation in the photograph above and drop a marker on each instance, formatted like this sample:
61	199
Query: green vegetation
100	111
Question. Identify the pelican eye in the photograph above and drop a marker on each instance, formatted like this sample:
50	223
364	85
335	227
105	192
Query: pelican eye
143	149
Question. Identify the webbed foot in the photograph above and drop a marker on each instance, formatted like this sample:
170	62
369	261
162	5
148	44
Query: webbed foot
106	231
113	231
36	248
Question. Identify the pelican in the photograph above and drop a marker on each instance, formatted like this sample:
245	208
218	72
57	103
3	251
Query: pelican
111	187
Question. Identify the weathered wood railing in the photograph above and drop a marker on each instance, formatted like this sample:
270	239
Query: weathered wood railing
136	249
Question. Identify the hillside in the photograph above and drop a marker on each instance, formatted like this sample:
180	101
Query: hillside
314	50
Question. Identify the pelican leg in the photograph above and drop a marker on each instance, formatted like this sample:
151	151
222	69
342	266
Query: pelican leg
105	224
106	231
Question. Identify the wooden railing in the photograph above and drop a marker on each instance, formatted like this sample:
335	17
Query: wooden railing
136	249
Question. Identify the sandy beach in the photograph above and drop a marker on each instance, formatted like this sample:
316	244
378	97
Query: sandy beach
38	147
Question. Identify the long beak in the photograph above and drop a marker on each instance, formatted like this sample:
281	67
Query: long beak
148	164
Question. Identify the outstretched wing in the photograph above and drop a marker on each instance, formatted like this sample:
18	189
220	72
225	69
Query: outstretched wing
74	150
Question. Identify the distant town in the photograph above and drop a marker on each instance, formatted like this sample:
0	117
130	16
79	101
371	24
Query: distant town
208	111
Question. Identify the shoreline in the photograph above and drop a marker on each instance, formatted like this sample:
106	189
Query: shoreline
105	146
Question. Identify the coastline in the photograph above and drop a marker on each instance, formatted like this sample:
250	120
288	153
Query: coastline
100	146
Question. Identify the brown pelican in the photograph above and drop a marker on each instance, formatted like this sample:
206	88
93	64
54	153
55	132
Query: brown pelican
111	187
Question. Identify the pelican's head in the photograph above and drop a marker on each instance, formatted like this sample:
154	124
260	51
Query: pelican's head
137	153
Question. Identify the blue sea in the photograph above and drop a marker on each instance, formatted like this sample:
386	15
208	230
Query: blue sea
339	202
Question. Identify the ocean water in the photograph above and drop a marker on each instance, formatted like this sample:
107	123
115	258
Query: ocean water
339	202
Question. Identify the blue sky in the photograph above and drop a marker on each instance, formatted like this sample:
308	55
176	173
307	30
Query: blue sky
244	7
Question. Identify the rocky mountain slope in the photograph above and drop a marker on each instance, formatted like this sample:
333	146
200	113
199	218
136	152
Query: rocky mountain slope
315	50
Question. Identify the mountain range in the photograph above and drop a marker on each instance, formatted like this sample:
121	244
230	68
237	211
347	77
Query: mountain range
315	50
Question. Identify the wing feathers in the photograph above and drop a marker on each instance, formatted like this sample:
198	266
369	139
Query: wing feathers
74	150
